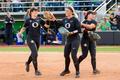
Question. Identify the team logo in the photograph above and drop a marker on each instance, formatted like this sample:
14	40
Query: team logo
35	24
67	25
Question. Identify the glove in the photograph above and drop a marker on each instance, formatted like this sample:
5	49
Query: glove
93	36
48	15
63	31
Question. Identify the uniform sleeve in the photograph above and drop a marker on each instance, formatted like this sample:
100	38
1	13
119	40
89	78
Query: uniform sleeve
49	22
84	22
26	24
42	22
77	24
94	22
59	23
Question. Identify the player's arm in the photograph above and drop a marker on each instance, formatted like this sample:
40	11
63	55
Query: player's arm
22	30
89	26
25	25
57	23
51	18
44	23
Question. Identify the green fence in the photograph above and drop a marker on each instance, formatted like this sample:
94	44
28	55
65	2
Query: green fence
16	26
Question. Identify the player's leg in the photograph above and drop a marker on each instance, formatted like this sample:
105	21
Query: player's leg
37	42
34	54
84	47
29	60
67	51
10	37
92	48
30	57
28	63
7	37
75	46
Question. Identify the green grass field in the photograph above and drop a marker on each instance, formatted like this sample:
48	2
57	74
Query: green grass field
56	48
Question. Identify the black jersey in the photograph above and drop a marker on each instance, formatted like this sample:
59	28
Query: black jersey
71	25
85	33
52	26
33	27
8	22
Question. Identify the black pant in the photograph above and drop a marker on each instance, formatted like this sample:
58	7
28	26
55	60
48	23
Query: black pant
88	45
8	36
71	47
34	46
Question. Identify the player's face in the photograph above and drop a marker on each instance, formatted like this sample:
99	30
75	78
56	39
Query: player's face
90	16
34	14
94	16
68	12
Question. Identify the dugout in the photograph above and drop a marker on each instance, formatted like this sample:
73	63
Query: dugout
109	38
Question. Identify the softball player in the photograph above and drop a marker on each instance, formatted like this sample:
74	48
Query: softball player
32	25
73	40
86	44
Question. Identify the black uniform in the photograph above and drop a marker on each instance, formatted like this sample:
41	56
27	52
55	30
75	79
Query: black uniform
88	45
33	38
52	26
73	41
8	30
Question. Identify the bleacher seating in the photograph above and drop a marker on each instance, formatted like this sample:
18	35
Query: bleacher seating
52	5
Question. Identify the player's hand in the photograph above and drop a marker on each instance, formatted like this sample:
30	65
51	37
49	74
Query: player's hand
70	33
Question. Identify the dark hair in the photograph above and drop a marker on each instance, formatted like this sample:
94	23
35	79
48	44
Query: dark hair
33	9
71	9
88	13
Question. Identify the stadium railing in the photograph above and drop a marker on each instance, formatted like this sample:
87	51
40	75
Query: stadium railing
47	5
